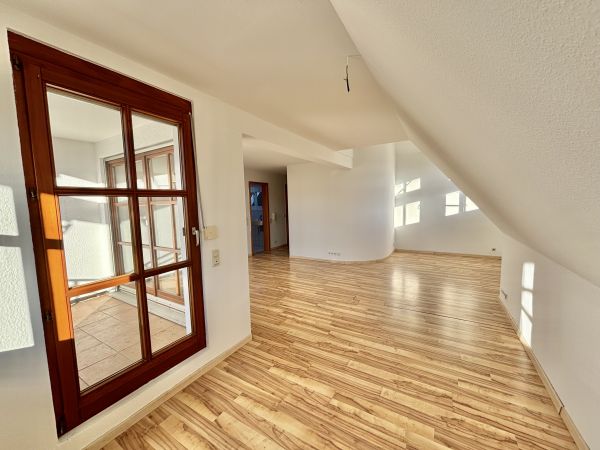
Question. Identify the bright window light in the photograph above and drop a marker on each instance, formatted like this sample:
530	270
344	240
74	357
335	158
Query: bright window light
470	205
526	328
452	203
413	185
398	216
413	213
399	189
527	275
527	302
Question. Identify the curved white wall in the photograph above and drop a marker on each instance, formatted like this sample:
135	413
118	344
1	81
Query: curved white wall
343	214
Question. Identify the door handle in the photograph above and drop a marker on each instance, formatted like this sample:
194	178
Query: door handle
196	234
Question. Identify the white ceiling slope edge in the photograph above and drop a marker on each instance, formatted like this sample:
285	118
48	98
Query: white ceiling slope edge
281	60
506	97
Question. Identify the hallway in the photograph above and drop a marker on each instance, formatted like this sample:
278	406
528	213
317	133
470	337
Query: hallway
411	352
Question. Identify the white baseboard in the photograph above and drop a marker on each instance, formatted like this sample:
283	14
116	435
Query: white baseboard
558	404
429	252
342	261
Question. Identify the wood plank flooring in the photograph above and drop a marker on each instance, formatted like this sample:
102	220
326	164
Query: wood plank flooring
413	352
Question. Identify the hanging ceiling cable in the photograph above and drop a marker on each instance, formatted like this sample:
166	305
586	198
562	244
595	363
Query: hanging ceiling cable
347	79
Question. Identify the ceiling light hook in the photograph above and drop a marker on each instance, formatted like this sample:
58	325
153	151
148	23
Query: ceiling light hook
347	79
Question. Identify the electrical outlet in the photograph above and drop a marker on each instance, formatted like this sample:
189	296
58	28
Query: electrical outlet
216	257
335	253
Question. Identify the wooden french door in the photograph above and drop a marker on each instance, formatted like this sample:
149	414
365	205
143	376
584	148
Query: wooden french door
110	174
160	243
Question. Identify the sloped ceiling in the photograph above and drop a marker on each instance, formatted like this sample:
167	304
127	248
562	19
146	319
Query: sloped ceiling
507	95
282	60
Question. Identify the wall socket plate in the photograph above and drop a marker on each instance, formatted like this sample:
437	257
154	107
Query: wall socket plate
210	232
216	257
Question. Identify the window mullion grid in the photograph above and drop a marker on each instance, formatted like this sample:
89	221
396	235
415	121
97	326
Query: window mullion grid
134	215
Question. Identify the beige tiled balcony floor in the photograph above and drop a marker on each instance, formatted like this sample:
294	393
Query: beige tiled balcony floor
107	336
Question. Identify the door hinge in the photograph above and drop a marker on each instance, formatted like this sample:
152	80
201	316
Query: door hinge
47	316
16	62
32	193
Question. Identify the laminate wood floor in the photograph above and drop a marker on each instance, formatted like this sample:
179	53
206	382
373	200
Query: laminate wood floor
412	352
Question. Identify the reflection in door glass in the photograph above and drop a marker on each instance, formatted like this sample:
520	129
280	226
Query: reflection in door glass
107	333
88	237
153	137
84	132
170	309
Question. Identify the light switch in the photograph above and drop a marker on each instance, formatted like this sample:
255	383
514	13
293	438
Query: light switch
216	257
210	232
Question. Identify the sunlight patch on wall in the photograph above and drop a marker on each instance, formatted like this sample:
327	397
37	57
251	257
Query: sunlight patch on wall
15	321
452	203
526	316
399	189
457	202
470	205
8	216
413	213
413	185
398	216
407	213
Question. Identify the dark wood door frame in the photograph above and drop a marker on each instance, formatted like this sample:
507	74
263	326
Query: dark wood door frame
266	218
287	217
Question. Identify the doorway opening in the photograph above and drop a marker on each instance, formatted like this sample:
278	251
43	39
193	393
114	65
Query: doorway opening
259	217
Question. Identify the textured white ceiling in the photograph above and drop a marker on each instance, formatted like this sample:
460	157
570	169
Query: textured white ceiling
282	60
507	95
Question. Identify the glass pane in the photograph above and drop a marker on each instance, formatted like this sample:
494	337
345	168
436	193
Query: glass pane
150	134
163	216
124	223
172	166
147	252
169	312
88	237
145	220
85	133
107	334
127	258
140	174
163	257
159	172
163	230
120	176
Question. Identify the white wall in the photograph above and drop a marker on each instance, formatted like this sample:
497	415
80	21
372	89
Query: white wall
467	232
344	211
559	314
276	183
26	413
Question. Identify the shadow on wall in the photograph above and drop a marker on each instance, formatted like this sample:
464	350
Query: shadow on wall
526	314
15	319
